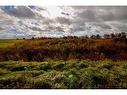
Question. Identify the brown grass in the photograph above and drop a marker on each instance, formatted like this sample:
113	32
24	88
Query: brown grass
67	48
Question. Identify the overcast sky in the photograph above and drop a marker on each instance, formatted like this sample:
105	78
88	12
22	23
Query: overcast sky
55	21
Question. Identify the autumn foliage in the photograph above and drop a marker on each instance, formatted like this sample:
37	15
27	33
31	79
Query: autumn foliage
67	48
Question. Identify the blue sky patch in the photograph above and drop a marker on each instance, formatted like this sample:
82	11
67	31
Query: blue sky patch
8	8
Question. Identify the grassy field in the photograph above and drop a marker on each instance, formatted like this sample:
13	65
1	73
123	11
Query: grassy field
68	62
8	43
63	74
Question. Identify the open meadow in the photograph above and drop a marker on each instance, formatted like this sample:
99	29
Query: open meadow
68	62
63	74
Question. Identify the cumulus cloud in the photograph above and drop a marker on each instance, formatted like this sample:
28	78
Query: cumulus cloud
19	11
22	11
28	21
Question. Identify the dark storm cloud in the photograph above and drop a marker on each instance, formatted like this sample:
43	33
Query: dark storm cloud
63	20
98	15
58	28
121	13
53	28
113	13
109	16
78	29
35	29
101	13
87	15
103	25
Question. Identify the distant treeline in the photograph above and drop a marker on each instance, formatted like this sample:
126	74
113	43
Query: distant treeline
110	46
97	36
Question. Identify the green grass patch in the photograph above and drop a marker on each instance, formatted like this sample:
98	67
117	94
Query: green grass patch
8	43
63	74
